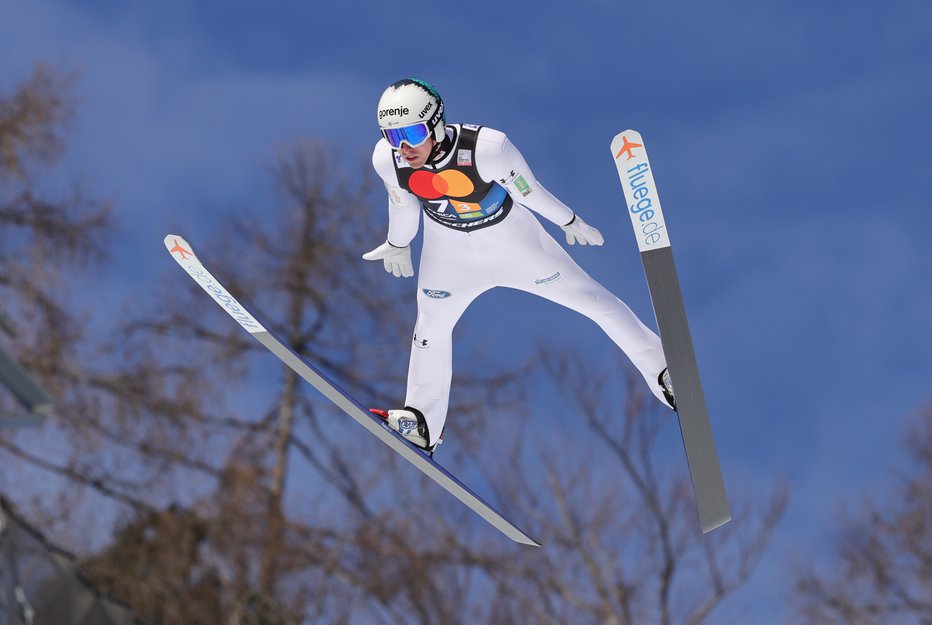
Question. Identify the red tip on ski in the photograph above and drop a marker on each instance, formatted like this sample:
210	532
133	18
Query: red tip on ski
378	412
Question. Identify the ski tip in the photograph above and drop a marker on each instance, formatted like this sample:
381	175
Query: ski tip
630	133
171	240
178	247
625	143
380	413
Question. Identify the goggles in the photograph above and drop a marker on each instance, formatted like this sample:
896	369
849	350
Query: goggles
414	135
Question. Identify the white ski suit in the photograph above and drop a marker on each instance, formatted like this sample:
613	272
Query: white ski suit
479	234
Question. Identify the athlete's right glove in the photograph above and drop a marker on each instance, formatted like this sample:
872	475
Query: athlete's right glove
397	259
581	232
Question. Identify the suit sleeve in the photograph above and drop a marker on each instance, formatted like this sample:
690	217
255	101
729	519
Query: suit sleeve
404	209
499	160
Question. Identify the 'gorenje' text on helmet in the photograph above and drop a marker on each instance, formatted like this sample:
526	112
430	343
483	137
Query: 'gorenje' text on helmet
411	101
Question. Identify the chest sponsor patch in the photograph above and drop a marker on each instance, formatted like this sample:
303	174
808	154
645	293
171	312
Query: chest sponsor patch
464	158
431	186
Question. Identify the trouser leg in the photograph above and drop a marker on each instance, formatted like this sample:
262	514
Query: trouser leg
430	369
558	278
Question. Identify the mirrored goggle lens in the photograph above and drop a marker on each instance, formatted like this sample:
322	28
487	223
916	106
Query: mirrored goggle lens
412	135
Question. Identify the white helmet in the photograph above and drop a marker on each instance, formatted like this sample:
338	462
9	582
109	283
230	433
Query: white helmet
411	101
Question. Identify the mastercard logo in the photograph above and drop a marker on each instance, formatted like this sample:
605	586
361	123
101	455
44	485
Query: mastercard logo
450	183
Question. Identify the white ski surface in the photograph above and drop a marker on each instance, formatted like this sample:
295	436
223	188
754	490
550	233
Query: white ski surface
643	206
183	253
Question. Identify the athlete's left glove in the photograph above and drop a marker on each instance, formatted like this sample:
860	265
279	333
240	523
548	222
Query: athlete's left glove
578	231
397	259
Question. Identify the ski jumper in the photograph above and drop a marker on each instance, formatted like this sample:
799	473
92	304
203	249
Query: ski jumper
479	234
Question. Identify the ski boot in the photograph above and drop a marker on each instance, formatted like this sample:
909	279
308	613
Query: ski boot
666	385
410	423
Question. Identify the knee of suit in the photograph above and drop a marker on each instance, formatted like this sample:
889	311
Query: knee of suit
437	331
437	320
612	307
592	302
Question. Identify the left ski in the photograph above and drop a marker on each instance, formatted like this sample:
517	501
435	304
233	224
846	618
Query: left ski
183	253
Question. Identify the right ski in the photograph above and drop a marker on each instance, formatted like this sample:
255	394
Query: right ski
183	253
640	191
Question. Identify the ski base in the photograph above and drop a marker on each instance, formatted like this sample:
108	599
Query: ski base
691	410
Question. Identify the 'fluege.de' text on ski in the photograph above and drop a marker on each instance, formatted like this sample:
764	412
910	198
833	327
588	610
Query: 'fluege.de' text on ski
223	298
650	229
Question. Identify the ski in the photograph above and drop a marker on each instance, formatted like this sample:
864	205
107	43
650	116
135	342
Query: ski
643	206
183	253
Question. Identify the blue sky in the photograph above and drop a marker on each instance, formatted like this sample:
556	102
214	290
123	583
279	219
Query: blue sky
790	143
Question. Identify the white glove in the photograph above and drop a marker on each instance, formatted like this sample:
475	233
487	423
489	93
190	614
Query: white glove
578	231
397	259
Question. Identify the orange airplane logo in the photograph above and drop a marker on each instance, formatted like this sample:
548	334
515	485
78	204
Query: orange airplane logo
627	147
181	250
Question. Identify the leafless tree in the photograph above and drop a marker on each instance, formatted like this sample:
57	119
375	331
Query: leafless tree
42	237
168	410
623	544
243	497
46	238
882	568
